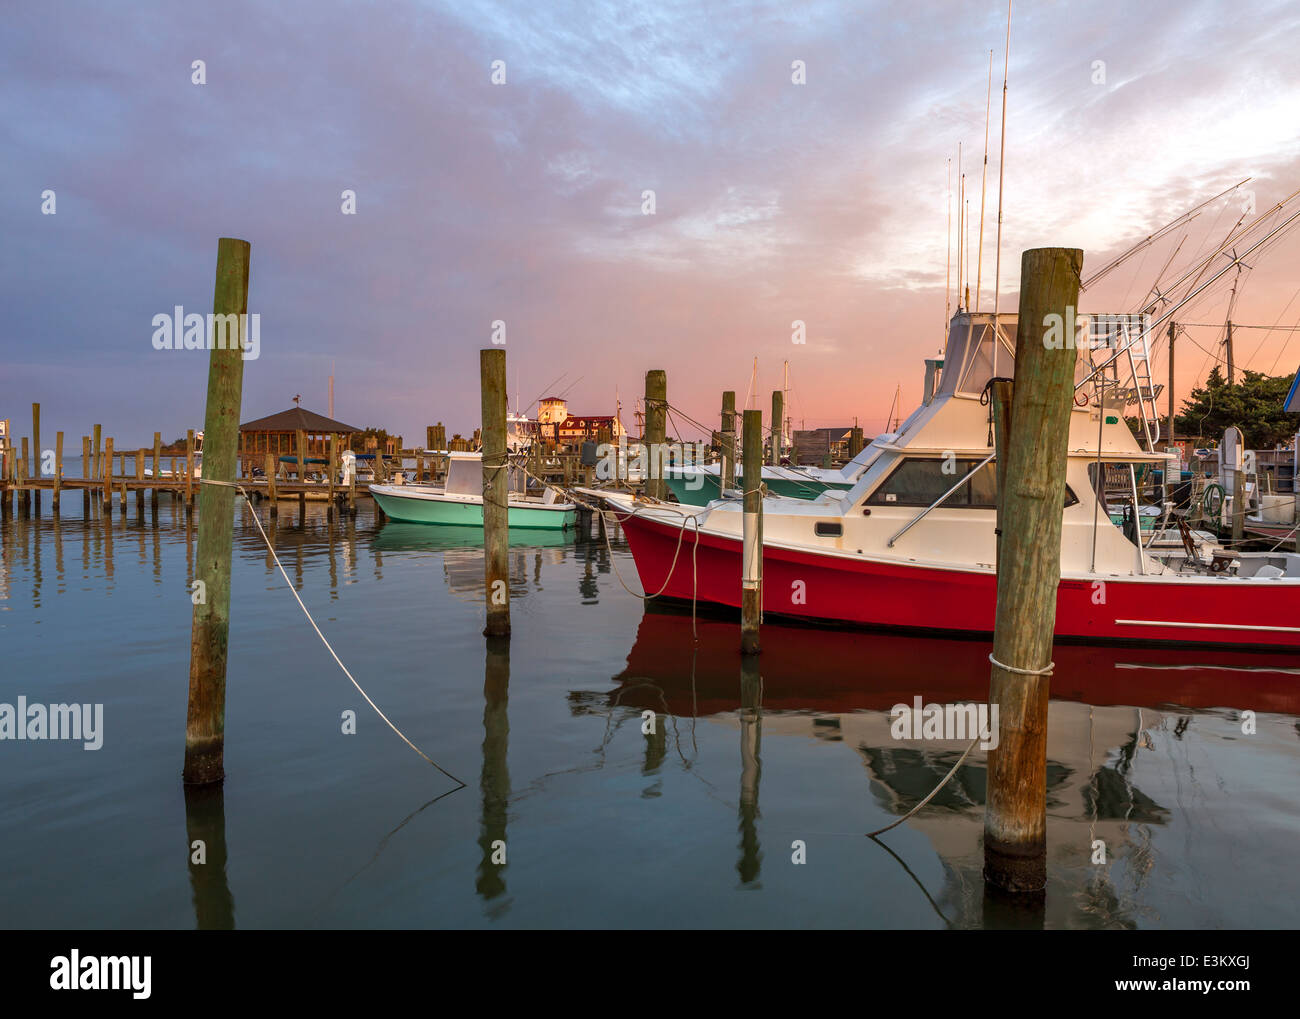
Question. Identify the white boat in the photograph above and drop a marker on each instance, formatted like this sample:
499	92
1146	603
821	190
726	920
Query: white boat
460	500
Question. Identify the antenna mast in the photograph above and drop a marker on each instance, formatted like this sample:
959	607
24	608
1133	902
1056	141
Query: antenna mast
984	177
961	198
947	284
1002	163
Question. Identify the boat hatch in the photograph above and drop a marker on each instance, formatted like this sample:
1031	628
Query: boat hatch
827	529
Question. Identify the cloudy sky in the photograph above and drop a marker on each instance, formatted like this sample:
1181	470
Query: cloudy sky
824	202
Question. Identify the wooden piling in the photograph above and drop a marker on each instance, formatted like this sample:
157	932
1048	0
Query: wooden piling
1002	399
751	583
1031	501
496	520
727	475
96	471
1238	506
139	477
333	471
85	458
157	472
206	716
36	450
302	474
189	470
107	459
271	492
778	415
656	432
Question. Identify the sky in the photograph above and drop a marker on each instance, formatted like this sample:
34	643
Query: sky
524	201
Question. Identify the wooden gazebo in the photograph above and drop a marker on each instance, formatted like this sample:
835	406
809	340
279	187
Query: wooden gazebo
293	432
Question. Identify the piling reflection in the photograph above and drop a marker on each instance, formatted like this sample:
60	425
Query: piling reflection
751	767
494	778
205	833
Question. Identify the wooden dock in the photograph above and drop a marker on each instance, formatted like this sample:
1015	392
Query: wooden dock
108	474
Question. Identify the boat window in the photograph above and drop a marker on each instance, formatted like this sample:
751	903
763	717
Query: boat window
919	481
824	529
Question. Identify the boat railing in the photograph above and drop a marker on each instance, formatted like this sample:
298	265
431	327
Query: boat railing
920	516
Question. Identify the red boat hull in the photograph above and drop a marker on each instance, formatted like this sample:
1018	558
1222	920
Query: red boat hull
819	588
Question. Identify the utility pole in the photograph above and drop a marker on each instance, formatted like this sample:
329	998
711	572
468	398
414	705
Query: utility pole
1232	373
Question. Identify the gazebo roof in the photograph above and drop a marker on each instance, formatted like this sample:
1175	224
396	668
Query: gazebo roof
296	418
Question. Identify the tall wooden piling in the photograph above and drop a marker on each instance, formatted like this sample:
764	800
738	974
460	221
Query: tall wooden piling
496	485
107	460
1001	402
95	471
271	494
302	474
1238	506
1031	501
751	582
727	475
86	475
157	473
778	415
206	719
58	469
189	470
656	431
36	450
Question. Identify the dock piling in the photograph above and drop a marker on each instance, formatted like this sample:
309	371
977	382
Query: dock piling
36	452
778	415
206	716
1030	507
656	432
107	460
751	583
496	485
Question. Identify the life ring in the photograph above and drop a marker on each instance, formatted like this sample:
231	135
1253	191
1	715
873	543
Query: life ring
1081	400
1213	508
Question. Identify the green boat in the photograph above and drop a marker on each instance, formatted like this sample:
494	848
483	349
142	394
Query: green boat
460	501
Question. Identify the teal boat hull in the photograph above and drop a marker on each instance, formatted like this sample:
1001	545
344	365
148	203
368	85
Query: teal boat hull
461	512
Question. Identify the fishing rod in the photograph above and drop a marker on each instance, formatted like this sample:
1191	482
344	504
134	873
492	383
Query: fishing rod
1189	215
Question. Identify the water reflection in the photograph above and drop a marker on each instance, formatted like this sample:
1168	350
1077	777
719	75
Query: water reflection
1110	706
205	833
751	767
494	778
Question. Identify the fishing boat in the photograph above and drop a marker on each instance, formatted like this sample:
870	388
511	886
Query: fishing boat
460	500
913	545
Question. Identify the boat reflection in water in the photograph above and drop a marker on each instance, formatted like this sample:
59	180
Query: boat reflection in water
1110	706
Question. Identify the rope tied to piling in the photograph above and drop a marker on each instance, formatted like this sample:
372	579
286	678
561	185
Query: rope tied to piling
292	590
1046	670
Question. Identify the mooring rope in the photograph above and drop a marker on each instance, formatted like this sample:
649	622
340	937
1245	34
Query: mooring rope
933	793
1046	670
292	590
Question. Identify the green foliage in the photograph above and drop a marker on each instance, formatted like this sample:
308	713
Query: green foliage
360	439
1254	405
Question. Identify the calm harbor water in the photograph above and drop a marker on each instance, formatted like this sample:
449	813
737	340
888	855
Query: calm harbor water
603	825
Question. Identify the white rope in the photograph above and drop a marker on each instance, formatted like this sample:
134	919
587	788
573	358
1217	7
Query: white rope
933	792
328	647
1044	671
